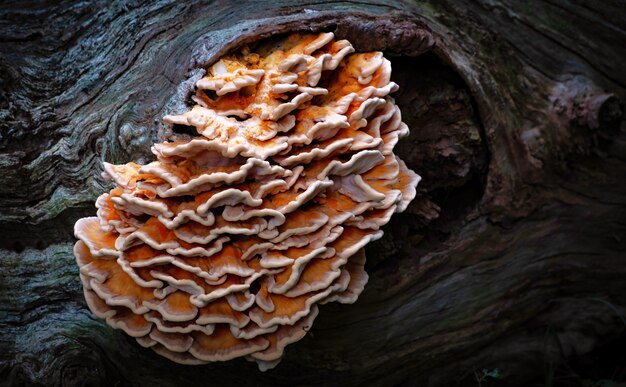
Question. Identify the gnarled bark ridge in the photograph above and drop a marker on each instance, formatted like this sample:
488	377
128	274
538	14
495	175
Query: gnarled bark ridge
511	257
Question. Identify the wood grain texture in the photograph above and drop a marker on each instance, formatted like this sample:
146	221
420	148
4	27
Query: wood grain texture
512	256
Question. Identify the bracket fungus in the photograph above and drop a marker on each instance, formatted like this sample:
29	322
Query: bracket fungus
226	244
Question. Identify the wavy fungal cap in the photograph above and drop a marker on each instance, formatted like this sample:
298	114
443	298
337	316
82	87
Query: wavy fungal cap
226	245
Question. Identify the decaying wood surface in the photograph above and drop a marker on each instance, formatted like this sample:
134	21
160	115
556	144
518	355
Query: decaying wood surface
511	258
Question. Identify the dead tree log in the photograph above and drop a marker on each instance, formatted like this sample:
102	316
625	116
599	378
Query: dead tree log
511	258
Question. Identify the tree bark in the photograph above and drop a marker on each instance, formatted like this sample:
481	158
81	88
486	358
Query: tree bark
511	258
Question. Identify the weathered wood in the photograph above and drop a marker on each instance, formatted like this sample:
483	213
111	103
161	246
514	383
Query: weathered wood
512	256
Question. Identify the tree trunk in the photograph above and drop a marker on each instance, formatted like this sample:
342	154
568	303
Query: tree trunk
512	258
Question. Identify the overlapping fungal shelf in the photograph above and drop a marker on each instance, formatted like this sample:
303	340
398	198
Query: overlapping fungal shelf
226	244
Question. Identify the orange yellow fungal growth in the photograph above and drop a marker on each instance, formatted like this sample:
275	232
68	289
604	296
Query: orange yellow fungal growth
224	246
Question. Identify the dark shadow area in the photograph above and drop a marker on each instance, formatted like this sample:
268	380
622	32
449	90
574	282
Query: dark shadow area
445	147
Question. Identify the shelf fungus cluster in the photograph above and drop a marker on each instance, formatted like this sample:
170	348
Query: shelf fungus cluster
226	244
